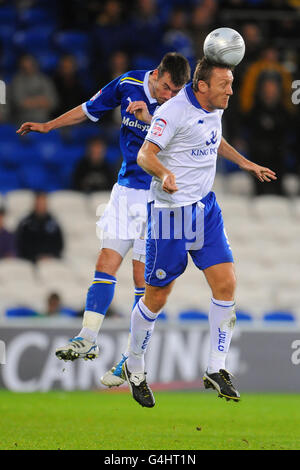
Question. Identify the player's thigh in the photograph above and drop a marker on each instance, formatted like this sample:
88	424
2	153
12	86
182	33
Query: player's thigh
222	280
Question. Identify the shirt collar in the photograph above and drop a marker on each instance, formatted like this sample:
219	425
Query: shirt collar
146	88
192	98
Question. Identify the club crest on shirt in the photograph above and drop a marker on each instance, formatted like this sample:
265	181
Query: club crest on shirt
158	127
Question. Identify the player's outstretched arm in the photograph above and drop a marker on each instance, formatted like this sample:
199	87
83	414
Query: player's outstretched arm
147	159
140	111
260	172
74	116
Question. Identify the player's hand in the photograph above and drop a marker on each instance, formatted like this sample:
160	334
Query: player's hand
260	172
140	111
169	183
33	127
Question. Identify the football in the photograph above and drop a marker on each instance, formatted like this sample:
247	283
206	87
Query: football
224	46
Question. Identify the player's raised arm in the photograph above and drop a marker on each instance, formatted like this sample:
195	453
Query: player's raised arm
147	159
74	116
260	172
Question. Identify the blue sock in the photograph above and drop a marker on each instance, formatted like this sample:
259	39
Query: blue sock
101	293
138	294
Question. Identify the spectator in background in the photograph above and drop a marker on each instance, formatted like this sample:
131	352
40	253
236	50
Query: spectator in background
202	22
267	66
68	86
92	172
53	306
268	125
38	235
177	38
7	239
32	93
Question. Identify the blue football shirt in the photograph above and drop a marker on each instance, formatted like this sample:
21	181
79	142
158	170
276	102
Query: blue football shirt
131	86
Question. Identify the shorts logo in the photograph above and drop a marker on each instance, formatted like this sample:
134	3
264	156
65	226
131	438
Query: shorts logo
158	127
160	274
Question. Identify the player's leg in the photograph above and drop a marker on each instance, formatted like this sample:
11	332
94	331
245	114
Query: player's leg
216	261
115	376
98	300
143	320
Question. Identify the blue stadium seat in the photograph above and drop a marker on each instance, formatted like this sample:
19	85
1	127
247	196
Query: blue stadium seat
279	316
243	316
9	180
8	15
162	316
192	315
47	59
6	33
37	16
34	177
20	312
82	133
33	40
8	133
69	312
113	154
72	41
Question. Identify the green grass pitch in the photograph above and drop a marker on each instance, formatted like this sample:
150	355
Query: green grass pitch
179	421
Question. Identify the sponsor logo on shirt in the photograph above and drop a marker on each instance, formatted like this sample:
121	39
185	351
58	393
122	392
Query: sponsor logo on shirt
158	127
131	123
213	138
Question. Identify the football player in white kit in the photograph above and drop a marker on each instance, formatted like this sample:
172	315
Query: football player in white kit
137	92
180	152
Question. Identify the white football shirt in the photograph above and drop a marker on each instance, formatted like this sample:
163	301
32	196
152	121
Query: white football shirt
189	137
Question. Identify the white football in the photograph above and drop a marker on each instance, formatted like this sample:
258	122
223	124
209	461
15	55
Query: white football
224	46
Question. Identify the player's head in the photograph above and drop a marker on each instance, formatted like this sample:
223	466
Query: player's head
169	77
213	84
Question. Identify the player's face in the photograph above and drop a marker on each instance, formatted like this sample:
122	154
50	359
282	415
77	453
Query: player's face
164	88
220	88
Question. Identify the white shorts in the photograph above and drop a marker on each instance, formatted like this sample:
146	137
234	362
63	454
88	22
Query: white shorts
123	223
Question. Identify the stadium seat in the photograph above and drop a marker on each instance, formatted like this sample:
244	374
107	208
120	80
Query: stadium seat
242	316
15	269
71	202
162	317
47	59
36	16
80	134
192	315
291	184
72	41
271	207
19	203
8	15
279	316
97	201
33	40
237	205
56	270
9	180
240	184
20	312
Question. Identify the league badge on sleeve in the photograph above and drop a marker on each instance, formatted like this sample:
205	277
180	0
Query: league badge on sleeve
158	127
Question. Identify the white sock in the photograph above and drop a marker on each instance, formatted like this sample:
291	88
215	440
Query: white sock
142	326
91	325
221	323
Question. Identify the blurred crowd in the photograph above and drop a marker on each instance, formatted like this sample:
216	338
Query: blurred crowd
55	55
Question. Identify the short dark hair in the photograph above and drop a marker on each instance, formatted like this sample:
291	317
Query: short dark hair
177	66
204	69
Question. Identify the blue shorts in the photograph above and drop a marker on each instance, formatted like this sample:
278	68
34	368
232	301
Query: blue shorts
196	229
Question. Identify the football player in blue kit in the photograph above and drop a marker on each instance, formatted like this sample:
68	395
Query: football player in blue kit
180	152
138	93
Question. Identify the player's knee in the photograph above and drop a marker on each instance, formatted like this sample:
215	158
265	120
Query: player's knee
108	261
138	273
225	288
